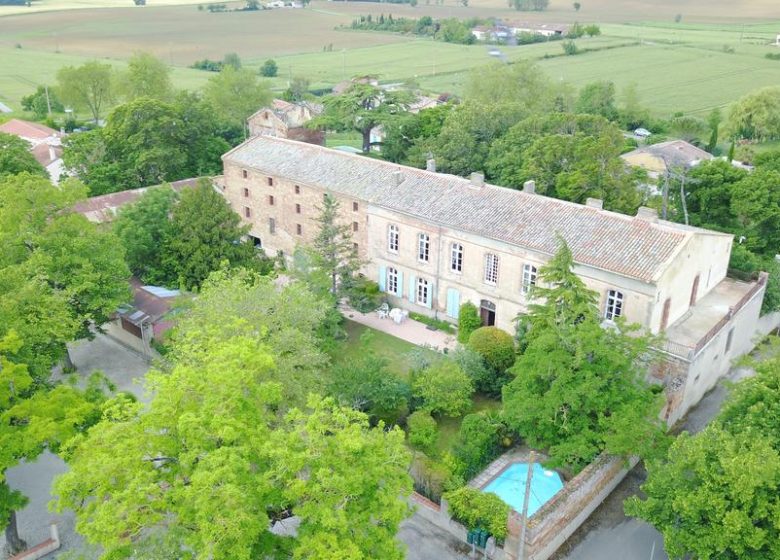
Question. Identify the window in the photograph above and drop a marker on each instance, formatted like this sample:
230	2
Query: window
614	306
246	192
354	206
270	181
423	247
244	173
491	268
392	280
297	208
298	229
354	226
456	258
297	189
325	197
729	338
271	225
422	291
392	238
355	247
247	212
529	278
270	200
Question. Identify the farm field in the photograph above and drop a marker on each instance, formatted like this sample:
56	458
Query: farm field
676	66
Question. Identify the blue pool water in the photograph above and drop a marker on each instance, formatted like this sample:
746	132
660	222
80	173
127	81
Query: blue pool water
510	486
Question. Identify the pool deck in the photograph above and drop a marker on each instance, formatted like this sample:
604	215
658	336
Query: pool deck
521	455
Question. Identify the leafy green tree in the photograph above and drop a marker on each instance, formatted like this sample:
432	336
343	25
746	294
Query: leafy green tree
89	86
423	431
756	116
205	232
479	442
361	108
43	102
710	192
146	76
34	417
755	203
468	321
598	98
232	59
688	128
443	388
364	383
716	494
473	364
297	90
210	462
405	137
580	389
235	94
143	228
59	273
713	121
496	347
334	251
15	157
632	113
269	69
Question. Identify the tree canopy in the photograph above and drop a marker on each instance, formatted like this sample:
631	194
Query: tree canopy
88	87
756	116
146	76
234	94
16	157
580	388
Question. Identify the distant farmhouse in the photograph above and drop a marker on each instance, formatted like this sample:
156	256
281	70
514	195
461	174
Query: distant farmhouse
287	120
658	159
504	31
45	144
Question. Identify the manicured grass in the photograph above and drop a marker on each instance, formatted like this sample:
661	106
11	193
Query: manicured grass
354	139
394	349
449	427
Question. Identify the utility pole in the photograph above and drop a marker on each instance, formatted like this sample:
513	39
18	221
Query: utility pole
48	101
526	499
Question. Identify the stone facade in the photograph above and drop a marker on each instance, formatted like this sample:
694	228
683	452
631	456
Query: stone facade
286	120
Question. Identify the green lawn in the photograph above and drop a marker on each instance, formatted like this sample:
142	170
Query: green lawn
353	139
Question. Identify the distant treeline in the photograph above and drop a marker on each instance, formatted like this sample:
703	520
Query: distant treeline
451	30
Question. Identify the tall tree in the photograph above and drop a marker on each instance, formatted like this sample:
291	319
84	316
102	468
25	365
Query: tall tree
362	108
88	86
234	94
204	232
598	98
579	388
146	76
15	157
756	116
334	249
33	417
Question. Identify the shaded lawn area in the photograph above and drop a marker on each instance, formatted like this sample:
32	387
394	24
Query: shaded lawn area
394	349
449	427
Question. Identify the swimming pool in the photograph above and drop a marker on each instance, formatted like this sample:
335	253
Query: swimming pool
510	486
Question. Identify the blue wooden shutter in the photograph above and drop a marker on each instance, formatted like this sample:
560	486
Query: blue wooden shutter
382	279
429	300
400	288
453	303
412	282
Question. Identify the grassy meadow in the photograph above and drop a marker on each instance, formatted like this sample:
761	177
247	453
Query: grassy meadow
690	66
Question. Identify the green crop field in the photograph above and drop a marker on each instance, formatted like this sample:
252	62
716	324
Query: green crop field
689	66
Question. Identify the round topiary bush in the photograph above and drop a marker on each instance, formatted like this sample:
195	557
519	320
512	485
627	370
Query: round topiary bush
497	347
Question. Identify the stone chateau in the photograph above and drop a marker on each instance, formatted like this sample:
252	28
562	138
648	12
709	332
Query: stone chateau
434	241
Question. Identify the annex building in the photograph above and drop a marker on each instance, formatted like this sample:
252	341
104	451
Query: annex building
434	241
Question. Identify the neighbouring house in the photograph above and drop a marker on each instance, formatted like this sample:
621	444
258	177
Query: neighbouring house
104	208
146	319
434	241
343	86
545	29
658	159
287	120
492	33
45	144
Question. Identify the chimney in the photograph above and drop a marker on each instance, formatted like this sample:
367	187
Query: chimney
529	187
647	214
477	180
398	177
430	165
594	203
52	154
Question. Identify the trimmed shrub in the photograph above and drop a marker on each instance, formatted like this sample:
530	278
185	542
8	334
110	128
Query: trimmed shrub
497	347
477	509
479	442
423	431
468	321
443	388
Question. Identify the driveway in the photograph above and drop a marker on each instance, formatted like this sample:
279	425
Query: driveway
425	541
122	366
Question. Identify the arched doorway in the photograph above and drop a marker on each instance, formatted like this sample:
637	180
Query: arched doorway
487	311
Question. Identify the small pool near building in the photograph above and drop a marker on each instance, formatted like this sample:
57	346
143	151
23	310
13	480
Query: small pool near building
510	486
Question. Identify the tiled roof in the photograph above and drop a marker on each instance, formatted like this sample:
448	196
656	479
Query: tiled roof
630	246
674	153
26	129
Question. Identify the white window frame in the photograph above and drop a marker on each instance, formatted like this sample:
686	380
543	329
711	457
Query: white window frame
422	291
456	258
393	236
613	306
529	278
490	275
423	247
392	280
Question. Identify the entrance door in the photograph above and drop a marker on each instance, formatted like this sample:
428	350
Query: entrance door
665	315
487	311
